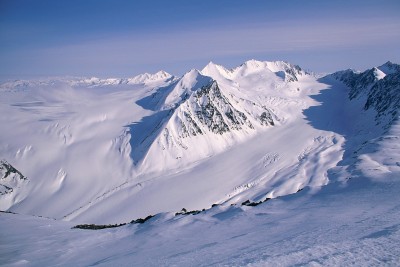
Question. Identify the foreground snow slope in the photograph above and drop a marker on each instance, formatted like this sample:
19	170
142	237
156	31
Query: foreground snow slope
353	224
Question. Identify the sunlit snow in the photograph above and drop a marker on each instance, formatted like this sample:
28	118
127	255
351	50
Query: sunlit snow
320	157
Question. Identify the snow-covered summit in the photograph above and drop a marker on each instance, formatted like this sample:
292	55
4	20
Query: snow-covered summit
287	71
215	70
188	83
389	68
284	70
147	77
201	111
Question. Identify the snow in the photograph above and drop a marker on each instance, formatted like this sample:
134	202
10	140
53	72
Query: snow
88	150
145	78
75	130
191	81
352	224
379	74
108	151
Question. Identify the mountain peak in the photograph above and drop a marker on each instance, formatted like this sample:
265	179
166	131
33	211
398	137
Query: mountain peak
162	74
190	81
282	69
253	62
211	66
192	73
210	63
216	71
148	77
389	68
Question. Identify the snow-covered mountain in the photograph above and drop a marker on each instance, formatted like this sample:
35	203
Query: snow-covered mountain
10	178
146	133
262	164
198	119
380	87
254	132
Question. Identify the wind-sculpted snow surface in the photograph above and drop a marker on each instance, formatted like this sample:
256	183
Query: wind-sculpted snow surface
109	150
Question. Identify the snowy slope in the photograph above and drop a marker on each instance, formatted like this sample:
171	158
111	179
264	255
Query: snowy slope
372	139
356	224
322	169
107	152
67	140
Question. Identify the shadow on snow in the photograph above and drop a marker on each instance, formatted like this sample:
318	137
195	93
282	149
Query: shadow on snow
144	132
336	113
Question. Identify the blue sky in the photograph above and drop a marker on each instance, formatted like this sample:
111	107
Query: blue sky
114	38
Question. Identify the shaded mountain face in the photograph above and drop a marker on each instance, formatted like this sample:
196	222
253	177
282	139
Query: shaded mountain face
379	86
13	185
10	178
209	108
208	111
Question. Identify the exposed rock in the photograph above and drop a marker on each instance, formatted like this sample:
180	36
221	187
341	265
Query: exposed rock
10	178
380	86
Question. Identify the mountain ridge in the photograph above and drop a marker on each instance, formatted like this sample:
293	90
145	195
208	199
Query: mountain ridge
379	86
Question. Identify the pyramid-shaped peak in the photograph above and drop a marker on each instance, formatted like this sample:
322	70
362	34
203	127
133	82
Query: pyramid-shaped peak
389	68
192	72
188	83
388	63
191	75
212	66
211	63
194	78
216	71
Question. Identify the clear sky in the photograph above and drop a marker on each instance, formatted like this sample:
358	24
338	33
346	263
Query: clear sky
115	38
